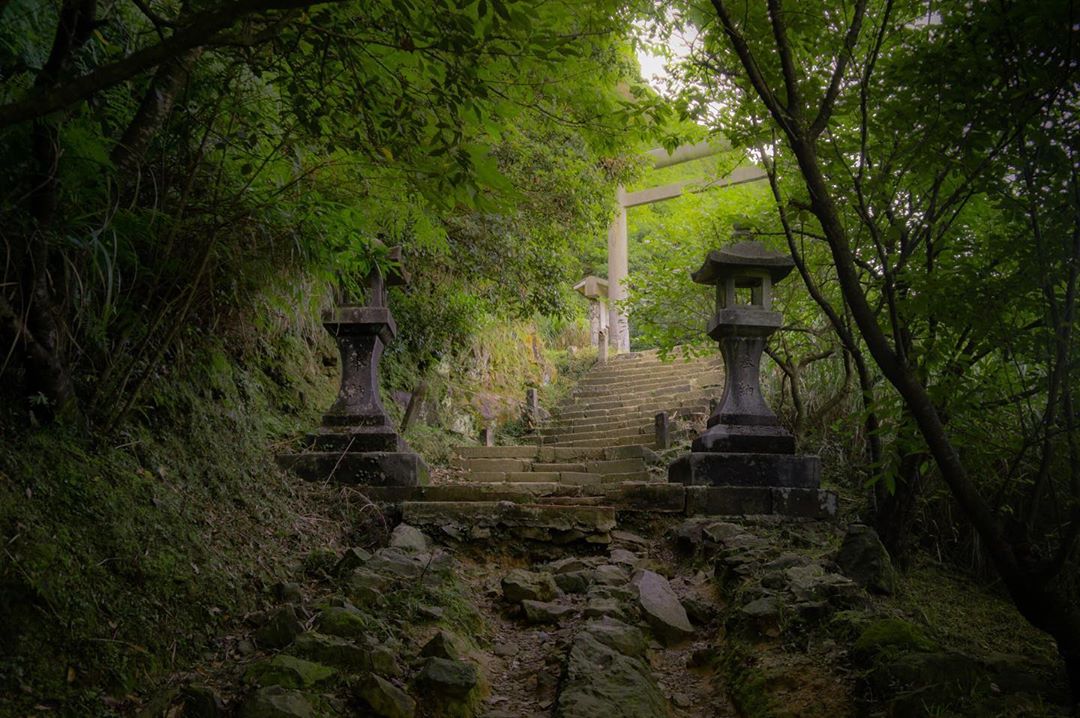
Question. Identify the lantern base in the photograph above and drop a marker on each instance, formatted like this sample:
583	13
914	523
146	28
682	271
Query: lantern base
745	439
742	469
371	468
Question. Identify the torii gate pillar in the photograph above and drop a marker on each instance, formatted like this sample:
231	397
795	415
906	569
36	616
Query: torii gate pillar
617	254
618	268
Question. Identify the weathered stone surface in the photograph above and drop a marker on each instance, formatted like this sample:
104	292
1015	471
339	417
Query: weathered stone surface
614	633
805	503
340	653
574	581
813	583
590	520
610	575
409	538
642	496
622	557
728	500
734	469
864	559
663	611
443	644
289	672
396	562
276	702
603	681
520	585
384	661
604	607
763	615
441	679
545	612
280	629
385	699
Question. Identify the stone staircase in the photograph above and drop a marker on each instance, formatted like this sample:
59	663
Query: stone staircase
604	431
589	461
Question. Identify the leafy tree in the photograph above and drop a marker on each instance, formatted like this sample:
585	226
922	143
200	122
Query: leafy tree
927	148
164	161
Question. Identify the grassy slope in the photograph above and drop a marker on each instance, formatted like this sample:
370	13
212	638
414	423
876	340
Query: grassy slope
122	555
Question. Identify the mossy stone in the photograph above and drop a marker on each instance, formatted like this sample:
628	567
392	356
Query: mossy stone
290	672
345	622
341	653
892	636
277	702
385	699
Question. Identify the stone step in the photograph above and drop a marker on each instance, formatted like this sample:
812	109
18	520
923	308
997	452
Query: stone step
647	380
545	522
657	370
559	467
640	426
557	426
604	434
615	466
554	454
645	496
627	401
629	440
489	465
651	410
515	476
497	452
645	383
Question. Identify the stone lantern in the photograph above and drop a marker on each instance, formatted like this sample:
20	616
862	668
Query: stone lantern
744	443
595	289
356	442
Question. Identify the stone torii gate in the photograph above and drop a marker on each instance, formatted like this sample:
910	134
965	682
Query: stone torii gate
618	255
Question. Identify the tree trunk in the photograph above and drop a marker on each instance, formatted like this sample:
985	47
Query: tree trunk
157	103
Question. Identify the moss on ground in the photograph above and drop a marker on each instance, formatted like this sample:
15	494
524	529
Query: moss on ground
124	555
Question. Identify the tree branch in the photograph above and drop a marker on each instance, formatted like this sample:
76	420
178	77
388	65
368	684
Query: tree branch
201	31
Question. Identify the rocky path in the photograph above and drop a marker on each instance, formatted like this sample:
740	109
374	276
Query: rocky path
581	632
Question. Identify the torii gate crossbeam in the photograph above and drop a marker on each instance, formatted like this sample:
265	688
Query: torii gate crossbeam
618	251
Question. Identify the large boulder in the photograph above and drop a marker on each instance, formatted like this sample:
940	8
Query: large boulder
521	585
663	611
864	559
603	680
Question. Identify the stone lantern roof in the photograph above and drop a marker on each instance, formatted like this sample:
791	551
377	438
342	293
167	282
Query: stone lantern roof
740	258
592	287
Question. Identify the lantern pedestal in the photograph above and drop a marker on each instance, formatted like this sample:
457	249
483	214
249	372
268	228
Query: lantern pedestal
744	445
356	443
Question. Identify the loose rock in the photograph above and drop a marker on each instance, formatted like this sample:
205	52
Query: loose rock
386	699
409	538
663	611
521	585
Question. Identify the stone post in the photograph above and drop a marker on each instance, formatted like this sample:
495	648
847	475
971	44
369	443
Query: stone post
487	436
663	431
532	407
744	443
356	442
